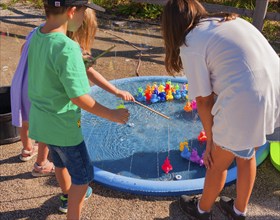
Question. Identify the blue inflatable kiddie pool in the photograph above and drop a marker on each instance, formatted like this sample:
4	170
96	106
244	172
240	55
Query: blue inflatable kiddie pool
130	157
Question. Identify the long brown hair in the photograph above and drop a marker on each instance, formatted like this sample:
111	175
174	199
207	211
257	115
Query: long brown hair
86	33
178	19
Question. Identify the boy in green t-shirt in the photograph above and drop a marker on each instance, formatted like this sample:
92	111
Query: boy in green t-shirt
57	89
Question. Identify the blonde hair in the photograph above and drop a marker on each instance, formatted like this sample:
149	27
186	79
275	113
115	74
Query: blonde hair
86	33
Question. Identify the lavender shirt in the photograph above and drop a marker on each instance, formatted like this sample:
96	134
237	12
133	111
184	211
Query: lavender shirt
20	103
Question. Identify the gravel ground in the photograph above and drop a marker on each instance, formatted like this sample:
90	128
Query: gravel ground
25	197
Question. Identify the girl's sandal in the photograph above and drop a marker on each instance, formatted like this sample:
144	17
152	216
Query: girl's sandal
45	170
27	155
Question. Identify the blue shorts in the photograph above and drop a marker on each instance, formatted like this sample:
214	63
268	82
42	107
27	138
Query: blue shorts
244	154
76	160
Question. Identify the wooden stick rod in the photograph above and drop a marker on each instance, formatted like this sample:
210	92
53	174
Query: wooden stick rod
162	115
106	51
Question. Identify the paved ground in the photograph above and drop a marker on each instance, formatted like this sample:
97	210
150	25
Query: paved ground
25	197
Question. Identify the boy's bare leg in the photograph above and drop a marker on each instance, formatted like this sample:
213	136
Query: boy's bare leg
63	179
43	152
215	177
76	197
26	141
246	175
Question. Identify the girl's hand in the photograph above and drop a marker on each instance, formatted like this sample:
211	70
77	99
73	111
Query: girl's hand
88	60
207	159
126	96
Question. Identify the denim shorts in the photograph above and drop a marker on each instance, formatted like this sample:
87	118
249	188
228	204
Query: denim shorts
76	160
244	154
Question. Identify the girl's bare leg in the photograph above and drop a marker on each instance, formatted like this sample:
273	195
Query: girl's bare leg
246	175
215	177
43	152
26	141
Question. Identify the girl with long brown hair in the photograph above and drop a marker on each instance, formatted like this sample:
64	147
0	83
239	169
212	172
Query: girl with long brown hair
233	74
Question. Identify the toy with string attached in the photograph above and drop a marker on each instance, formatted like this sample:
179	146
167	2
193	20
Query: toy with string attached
166	166
89	60
192	154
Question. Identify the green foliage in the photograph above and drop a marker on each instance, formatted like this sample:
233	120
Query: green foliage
37	3
139	10
4	6
273	6
131	9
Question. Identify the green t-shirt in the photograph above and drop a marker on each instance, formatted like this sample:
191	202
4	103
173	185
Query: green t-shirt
56	73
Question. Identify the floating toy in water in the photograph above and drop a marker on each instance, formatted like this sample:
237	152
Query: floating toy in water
186	153
188	107
167	87
177	95
166	166
184	145
148	96
165	91
169	95
192	155
140	98
196	158
140	90
154	87
155	91
140	95
120	104
184	91
162	96
148	93
161	88
148	89
154	98
193	105
202	136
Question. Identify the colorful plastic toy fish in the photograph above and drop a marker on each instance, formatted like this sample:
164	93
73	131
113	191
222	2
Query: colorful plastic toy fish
120	104
154	98
166	166
193	105
169	95
188	107
202	136
184	145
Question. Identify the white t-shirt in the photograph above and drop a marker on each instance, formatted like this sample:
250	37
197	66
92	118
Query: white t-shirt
235	61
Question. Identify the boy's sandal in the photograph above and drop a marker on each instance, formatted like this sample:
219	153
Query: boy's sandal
27	155
46	170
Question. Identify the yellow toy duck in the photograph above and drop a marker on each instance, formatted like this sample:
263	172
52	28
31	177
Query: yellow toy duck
183	145
161	88
169	95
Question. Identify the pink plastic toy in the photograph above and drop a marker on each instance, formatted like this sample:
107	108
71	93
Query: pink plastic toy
193	105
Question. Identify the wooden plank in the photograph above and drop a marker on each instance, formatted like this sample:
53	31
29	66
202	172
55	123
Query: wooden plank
272	16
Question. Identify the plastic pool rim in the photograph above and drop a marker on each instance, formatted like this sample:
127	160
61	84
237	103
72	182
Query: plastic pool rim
165	188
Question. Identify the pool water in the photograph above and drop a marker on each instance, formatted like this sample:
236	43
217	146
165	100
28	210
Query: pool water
139	148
